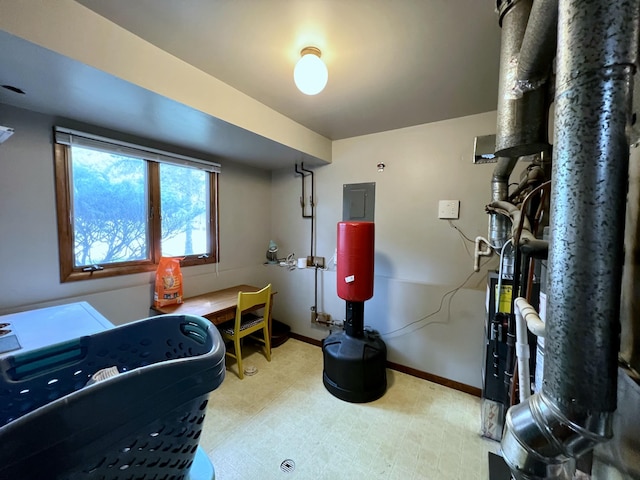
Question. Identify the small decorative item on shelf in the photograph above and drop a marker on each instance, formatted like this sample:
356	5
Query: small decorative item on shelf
272	252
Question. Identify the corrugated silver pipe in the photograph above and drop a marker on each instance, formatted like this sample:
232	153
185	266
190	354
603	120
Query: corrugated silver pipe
597	53
522	119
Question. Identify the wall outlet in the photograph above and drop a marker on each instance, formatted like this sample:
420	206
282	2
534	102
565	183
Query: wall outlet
449	209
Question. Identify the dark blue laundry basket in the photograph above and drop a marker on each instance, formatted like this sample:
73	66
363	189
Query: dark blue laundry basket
143	423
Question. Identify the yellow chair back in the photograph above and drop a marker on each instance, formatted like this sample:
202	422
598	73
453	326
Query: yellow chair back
245	325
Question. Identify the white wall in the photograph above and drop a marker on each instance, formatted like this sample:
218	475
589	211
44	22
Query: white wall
418	257
29	243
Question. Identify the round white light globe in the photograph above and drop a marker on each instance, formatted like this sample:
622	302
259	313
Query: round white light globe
310	74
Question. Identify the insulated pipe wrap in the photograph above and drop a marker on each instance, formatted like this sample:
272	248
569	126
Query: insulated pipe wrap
355	258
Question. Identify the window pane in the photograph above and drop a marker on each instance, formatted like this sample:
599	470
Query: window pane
184	194
109	207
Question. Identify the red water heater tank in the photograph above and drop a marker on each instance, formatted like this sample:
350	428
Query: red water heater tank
355	257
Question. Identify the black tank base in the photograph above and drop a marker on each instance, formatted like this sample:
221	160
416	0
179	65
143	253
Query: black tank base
355	367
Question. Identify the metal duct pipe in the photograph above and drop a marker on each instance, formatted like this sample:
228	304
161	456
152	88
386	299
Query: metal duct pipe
522	119
538	46
597	52
499	225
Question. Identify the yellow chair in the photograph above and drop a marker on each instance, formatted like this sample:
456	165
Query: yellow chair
245	325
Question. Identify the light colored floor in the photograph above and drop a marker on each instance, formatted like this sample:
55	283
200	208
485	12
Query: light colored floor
417	430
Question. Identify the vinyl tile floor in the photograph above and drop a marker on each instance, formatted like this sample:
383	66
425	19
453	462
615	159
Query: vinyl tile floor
281	423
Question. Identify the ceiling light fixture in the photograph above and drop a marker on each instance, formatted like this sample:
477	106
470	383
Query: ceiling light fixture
381	166
310	73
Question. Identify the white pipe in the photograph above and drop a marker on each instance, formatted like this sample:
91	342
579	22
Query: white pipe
534	322
522	352
481	252
526	316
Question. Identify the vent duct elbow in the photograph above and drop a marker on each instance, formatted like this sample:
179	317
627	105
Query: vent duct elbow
541	441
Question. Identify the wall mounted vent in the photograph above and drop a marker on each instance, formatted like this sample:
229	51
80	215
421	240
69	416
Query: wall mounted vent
484	148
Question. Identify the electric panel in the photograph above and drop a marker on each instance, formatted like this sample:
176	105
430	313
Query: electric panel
358	202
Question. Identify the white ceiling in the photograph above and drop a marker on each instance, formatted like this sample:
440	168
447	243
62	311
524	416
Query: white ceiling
392	63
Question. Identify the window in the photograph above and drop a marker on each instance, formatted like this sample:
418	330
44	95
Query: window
122	206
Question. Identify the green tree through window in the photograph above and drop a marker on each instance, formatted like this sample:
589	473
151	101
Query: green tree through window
109	207
184	213
118	213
